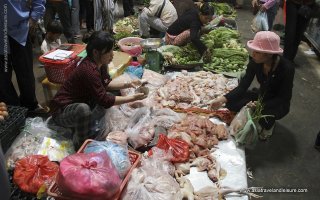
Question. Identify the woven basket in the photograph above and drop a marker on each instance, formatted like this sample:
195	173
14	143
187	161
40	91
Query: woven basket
58	70
57	73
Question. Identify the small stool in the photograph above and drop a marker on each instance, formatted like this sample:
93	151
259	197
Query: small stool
48	87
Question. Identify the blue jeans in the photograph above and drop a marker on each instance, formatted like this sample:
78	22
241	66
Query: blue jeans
271	13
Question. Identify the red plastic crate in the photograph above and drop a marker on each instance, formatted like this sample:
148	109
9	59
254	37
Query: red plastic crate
134	159
58	70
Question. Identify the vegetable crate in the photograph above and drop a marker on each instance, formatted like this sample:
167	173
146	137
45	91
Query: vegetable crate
10	127
58	70
134	159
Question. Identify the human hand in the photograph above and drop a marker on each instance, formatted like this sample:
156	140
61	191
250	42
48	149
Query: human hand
137	83
252	104
217	103
32	26
263	8
139	96
254	3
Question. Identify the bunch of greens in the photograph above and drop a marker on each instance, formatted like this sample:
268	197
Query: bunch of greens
224	9
257	111
127	23
227	60
185	55
220	36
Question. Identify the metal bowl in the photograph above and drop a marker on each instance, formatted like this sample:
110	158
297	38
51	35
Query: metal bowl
151	43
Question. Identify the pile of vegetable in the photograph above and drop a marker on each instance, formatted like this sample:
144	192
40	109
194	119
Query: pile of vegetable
181	55
227	60
220	36
3	111
224	9
125	27
128	21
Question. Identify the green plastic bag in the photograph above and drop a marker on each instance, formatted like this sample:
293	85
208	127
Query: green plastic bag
244	129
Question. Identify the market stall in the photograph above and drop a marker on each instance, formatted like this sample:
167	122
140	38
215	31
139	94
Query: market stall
169	145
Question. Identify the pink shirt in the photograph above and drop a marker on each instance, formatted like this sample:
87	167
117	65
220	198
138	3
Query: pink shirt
269	3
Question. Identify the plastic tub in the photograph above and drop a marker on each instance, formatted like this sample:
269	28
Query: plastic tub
131	45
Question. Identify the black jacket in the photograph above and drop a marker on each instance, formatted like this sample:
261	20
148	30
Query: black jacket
276	88
189	20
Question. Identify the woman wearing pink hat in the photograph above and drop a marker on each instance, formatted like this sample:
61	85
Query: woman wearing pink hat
275	76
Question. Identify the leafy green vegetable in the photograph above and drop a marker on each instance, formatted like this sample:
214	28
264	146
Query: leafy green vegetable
227	60
224	9
127	24
181	55
220	36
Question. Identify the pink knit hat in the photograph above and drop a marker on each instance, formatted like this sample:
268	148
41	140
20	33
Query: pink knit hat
265	42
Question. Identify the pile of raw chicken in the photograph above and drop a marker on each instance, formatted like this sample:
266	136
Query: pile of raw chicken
194	89
139	121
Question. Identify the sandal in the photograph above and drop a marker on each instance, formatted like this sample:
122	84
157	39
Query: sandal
40	110
265	134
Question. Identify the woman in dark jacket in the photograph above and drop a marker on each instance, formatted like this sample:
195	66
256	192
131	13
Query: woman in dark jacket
84	96
275	75
188	27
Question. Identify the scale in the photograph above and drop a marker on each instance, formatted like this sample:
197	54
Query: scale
153	57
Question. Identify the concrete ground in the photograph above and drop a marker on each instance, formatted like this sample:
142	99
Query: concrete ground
288	159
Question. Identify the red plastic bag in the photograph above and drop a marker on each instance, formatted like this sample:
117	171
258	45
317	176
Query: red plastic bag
32	172
88	176
179	148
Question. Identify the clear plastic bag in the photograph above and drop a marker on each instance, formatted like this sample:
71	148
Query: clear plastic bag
117	153
55	149
30	142
139	129
260	22
118	137
160	160
165	117
244	129
147	183
115	119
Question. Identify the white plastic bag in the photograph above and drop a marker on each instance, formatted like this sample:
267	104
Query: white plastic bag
260	22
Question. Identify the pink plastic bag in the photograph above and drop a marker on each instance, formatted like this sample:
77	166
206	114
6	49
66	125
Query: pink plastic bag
88	176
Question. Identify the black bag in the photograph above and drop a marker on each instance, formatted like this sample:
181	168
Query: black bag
305	11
